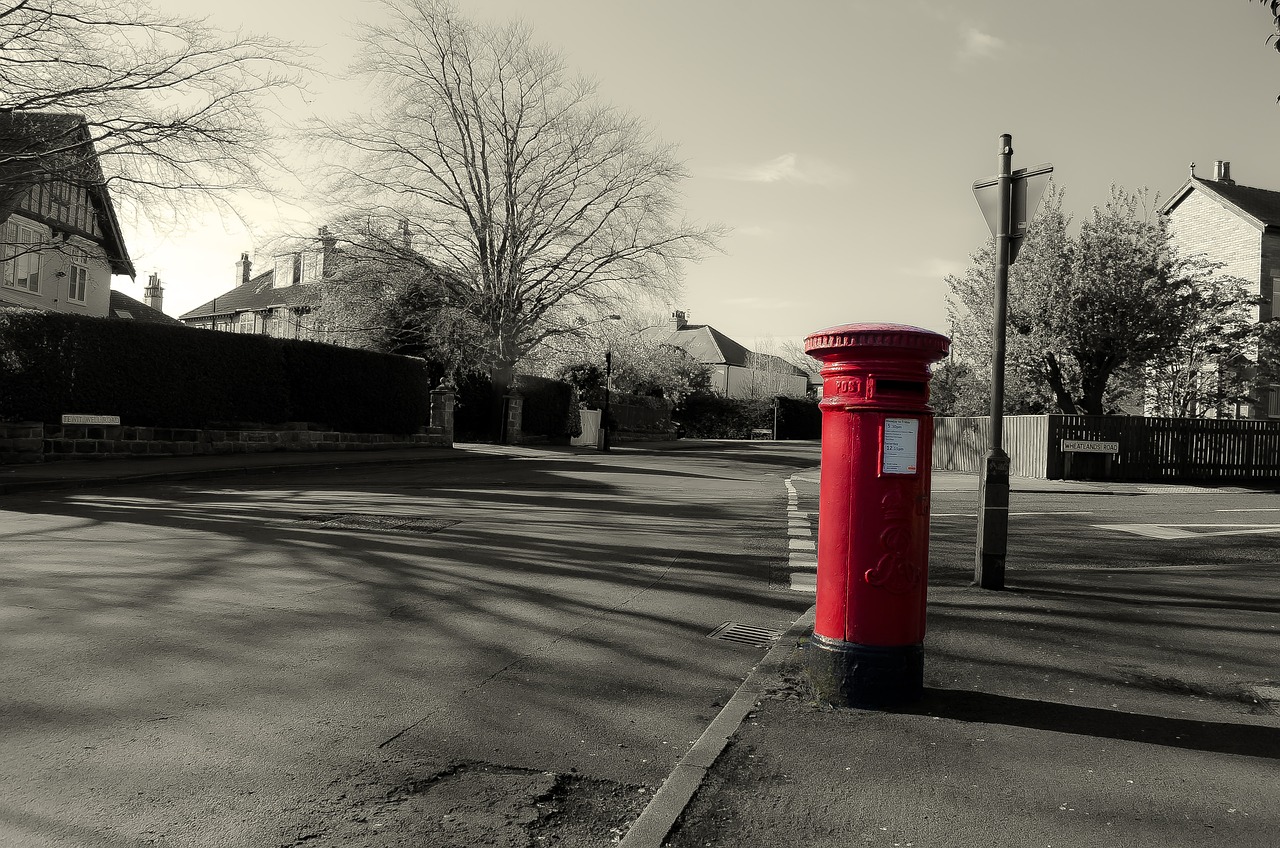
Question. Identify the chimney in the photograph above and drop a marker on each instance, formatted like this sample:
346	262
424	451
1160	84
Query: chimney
1222	172
243	268
678	320
329	252
153	294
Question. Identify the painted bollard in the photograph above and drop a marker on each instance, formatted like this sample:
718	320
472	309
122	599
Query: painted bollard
867	648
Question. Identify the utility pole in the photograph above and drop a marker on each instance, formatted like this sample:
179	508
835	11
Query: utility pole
1008	202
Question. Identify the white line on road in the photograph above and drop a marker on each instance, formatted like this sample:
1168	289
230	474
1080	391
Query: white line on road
1177	531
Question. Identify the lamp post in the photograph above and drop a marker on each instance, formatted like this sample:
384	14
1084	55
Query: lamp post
608	377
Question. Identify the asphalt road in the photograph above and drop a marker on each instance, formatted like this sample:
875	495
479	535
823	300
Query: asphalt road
487	651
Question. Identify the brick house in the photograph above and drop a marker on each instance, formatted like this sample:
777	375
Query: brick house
736	372
60	239
1238	226
276	302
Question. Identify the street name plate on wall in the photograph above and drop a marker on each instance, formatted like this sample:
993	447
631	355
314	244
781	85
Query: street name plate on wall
898	450
1082	446
109	420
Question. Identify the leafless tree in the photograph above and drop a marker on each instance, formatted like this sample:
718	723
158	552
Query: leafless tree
543	205
173	108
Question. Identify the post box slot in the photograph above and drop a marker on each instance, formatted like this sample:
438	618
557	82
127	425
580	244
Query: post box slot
900	387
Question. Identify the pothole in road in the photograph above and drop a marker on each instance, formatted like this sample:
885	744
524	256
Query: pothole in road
468	804
374	521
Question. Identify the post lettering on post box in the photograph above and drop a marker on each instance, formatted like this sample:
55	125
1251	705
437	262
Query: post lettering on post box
898	447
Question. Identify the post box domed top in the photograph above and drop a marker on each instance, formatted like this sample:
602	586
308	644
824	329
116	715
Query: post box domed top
896	340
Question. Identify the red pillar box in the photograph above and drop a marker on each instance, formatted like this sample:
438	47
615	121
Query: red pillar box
867	648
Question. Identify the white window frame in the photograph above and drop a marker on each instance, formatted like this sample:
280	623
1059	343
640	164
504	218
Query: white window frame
22	264
78	278
1273	402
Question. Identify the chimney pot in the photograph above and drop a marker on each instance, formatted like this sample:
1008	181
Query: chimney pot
1222	172
678	320
243	268
153	294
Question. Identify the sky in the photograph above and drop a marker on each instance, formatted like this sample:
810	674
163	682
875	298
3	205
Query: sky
838	141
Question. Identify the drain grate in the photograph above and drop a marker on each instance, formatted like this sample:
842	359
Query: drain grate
372	521
745	634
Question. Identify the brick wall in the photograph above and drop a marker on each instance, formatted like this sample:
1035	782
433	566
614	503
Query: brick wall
1200	224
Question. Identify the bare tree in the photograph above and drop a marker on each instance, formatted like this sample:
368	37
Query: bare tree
383	295
541	204
173	108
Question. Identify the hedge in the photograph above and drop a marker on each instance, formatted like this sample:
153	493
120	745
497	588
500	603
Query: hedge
164	375
708	416
546	409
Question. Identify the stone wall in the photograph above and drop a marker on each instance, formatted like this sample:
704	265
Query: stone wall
34	442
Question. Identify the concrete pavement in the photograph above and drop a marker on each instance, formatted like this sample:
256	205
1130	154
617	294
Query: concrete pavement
1113	703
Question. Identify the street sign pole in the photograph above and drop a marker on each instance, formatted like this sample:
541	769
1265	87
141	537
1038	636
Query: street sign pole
993	513
1008	201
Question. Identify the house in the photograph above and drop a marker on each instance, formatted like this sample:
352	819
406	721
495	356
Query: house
735	371
148	309
60	239
1239	227
276	302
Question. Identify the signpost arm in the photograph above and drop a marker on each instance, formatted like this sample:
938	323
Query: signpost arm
993	513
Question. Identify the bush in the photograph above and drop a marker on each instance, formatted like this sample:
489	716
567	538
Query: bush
799	418
546	407
708	416
169	376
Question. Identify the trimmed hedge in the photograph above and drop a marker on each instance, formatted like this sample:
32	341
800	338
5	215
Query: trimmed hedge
164	375
708	416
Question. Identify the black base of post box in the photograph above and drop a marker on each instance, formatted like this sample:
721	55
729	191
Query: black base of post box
846	674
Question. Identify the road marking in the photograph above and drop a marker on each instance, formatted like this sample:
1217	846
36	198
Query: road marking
1177	531
802	581
1252	509
802	556
803	561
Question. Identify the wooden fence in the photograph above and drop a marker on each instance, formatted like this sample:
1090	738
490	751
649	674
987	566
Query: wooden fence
960	444
1148	449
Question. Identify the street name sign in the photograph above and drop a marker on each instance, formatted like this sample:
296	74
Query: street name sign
104	420
1083	446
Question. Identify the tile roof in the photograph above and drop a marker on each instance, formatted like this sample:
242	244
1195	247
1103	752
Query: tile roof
123	306
709	346
1259	204
35	145
256	295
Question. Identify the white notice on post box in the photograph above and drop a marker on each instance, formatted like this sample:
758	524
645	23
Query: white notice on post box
898	450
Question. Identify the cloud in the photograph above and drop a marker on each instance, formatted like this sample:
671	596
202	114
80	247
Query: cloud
786	168
976	44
